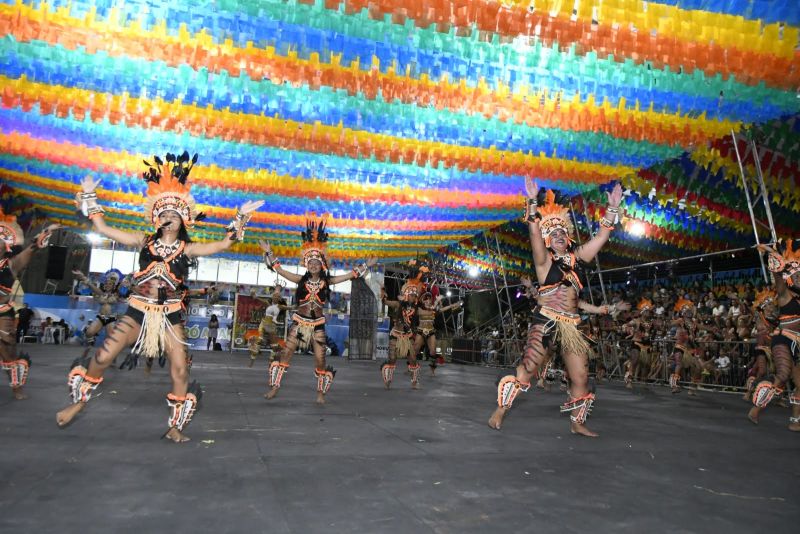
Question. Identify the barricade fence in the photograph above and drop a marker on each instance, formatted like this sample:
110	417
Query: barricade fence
717	364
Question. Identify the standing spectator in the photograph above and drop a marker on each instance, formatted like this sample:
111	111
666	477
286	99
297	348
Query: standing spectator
213	328
24	315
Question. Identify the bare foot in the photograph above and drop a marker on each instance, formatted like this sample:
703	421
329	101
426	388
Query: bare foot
794	427
497	418
691	393
320	398
175	436
414	385
676	390
753	415
388	384
19	394
628	385
746	397
577	428
271	393
65	416
251	363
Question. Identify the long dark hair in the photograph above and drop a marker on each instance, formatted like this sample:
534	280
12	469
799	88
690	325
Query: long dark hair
325	293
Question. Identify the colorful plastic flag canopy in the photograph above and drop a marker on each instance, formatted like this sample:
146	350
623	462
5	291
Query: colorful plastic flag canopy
412	123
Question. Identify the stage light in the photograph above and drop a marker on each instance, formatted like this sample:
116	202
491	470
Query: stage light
636	229
94	238
473	271
449	293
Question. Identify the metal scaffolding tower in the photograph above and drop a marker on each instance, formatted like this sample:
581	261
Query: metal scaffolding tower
504	304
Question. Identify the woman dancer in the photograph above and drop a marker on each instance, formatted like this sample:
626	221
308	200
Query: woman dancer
308	322
152	320
556	259
107	295
15	257
685	356
403	313
766	320
426	333
785	344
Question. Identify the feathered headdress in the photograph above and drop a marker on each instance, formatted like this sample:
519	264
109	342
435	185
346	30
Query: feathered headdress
787	263
10	232
683	304
167	189
644	305
414	287
554	217
112	275
763	297
315	241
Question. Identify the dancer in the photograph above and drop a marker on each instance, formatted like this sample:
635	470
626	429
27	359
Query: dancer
556	259
785	344
641	331
308	322
268	327
152	320
685	356
107	295
425	332
766	321
15	258
403	313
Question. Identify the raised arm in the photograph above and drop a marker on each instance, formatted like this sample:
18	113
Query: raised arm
86	201
235	232
275	264
21	260
358	272
589	250
85	279
540	256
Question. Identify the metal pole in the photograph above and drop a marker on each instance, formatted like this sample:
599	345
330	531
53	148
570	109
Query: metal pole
764	197
578	236
706	255
596	259
749	204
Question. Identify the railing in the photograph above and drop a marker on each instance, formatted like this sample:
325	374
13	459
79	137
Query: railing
613	350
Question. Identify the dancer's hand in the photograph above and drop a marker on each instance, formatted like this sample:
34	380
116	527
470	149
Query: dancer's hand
51	228
251	206
89	184
372	261
623	306
526	281
78	274
531	188
265	246
615	196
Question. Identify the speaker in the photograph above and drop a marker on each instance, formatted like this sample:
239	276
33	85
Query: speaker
56	261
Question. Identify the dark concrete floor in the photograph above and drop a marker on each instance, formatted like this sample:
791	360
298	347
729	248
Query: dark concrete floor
373	460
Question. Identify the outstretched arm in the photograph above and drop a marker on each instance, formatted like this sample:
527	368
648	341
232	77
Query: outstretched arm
274	264
86	201
96	291
589	250
358	272
235	232
21	260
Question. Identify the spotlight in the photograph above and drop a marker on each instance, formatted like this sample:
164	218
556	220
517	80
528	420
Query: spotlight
473	271
636	229
94	238
449	293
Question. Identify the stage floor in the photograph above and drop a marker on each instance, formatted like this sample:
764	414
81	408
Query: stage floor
373	460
